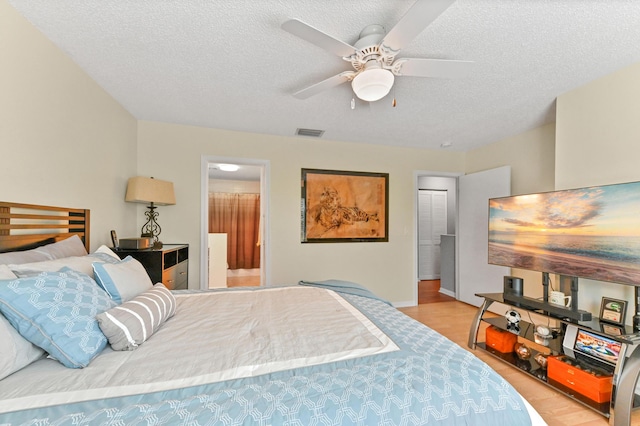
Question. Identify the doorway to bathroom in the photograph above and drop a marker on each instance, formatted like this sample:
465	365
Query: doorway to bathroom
234	223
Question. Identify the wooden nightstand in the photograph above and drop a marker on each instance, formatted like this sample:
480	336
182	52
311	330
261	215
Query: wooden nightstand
168	265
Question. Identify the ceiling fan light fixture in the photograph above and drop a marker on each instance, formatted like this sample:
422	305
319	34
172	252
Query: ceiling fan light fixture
373	84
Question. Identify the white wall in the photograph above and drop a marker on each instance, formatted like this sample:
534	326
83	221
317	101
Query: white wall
64	141
598	143
174	153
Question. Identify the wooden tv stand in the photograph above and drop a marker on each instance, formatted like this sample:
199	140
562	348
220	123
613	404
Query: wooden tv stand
625	374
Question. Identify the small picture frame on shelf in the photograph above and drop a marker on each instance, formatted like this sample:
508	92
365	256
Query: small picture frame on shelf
613	310
612	329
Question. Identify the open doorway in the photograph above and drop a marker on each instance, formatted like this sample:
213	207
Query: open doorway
435	234
234	222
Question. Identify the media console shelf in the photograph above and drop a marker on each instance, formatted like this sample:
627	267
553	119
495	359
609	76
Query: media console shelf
625	373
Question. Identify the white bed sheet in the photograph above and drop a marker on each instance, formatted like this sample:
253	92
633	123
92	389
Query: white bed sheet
193	347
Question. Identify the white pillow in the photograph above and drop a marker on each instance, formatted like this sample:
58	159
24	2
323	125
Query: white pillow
72	246
6	274
123	280
106	250
16	352
22	257
77	263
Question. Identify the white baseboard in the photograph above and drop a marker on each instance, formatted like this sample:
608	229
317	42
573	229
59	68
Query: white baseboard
447	292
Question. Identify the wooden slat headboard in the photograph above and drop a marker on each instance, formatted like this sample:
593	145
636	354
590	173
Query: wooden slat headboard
26	226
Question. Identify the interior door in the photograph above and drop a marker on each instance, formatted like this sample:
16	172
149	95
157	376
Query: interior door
432	223
475	275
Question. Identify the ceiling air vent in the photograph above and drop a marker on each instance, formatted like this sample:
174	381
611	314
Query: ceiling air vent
309	132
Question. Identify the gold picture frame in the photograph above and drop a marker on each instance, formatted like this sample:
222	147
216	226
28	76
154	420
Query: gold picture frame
344	206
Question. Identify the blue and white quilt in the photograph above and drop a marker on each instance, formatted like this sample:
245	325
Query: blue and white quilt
420	378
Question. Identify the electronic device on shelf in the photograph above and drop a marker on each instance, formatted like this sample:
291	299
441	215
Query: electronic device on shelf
136	243
555	310
591	347
513	285
114	238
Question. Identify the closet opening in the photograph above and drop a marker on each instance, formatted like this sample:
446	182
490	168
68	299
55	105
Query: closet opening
435	234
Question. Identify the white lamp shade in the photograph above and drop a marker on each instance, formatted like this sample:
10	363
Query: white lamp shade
149	190
373	84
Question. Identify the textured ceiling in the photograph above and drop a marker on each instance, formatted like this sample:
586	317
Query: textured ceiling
227	63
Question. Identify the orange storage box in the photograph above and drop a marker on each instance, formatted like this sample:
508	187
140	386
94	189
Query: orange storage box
593	385
500	340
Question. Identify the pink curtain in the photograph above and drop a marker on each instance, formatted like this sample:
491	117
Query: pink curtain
238	216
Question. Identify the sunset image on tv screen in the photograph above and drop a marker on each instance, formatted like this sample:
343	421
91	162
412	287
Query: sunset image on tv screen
590	232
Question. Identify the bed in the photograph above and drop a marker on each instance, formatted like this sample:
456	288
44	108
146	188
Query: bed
326	353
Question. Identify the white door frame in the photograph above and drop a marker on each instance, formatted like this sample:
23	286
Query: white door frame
417	174
265	242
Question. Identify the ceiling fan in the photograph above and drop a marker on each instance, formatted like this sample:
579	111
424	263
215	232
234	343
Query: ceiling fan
373	56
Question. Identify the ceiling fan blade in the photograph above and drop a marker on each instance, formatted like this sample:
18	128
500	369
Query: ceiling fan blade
417	18
329	83
317	37
435	68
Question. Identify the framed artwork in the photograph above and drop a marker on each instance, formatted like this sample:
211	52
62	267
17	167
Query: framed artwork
613	310
344	206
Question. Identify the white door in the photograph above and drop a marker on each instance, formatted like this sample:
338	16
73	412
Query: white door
475	275
432	223
217	260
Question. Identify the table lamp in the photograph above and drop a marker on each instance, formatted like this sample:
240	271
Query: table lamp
142	189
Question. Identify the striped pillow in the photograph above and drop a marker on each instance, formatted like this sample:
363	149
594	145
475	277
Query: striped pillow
128	325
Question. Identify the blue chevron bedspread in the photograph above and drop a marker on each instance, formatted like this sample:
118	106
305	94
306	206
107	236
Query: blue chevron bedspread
430	380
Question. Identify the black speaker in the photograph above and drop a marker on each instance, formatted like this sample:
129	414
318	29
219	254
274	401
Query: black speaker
513	285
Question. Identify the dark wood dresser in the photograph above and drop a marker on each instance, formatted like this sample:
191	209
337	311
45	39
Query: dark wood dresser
168	265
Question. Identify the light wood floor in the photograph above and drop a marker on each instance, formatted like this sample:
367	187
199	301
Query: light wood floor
429	292
453	319
243	278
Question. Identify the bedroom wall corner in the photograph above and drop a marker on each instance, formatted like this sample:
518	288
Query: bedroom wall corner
174	152
531	156
65	141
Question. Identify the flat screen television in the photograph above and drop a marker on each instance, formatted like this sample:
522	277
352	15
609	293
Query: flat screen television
597	346
588	232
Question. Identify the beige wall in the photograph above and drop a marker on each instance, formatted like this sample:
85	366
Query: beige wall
598	131
598	143
64	141
531	157
174	153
